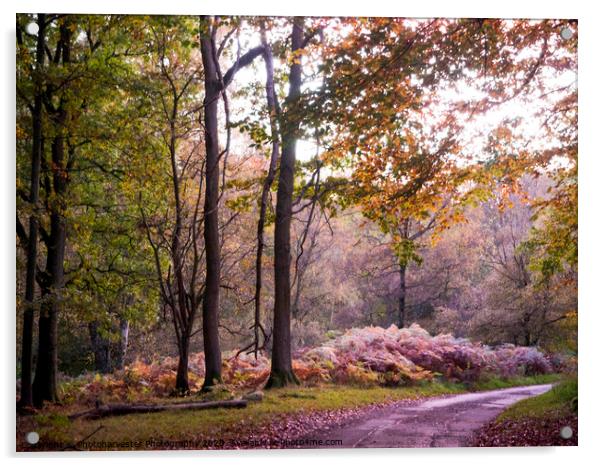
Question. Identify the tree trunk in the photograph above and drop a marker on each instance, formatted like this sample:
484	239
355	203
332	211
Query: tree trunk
101	348
267	184
215	84
124	332
182	385
183	315
32	245
282	371
526	330
213	359
402	296
45	382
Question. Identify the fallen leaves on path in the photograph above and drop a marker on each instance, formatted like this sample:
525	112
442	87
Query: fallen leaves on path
288	430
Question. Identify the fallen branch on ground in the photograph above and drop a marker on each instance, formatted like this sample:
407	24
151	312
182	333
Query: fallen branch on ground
122	409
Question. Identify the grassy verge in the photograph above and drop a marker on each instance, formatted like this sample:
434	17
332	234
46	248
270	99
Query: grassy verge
560	401
496	383
537	421
56	430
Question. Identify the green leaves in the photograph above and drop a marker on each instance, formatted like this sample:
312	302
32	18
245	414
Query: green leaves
553	244
256	130
243	203
406	251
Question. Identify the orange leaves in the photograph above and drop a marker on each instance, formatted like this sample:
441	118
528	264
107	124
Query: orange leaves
310	372
503	133
404	136
357	375
362	356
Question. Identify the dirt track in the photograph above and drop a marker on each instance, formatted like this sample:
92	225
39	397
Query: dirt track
438	422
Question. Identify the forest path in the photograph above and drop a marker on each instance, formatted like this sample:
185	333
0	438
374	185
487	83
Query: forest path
437	422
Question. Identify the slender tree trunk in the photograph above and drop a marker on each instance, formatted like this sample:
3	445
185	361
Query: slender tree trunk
298	288
402	296
101	348
32	246
183	315
213	359
267	184
182	385
282	371
124	332
526	330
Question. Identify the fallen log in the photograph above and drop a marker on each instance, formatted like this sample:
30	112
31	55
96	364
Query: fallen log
123	409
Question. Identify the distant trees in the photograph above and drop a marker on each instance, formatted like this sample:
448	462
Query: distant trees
517	308
405	243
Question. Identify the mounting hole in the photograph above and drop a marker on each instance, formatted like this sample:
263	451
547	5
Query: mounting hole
566	432
32	28
566	33
32	438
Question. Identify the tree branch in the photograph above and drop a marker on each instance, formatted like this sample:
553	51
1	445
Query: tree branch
243	61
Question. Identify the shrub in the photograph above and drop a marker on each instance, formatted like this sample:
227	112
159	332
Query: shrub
361	356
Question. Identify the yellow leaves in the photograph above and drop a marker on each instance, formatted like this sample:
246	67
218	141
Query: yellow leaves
20	133
357	375
296	57
505	204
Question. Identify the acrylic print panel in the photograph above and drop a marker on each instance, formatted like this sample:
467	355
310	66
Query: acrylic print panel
295	232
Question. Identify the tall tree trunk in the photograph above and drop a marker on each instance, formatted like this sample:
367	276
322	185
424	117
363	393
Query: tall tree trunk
281	373
402	296
32	245
267	184
215	84
213	359
45	382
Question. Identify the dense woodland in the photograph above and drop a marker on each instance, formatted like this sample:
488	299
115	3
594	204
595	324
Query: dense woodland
255	185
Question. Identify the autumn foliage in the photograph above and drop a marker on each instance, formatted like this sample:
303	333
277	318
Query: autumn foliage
361	356
388	170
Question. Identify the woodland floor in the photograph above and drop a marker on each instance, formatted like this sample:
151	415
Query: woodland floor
285	417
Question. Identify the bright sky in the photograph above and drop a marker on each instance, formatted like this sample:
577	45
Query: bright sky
475	131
